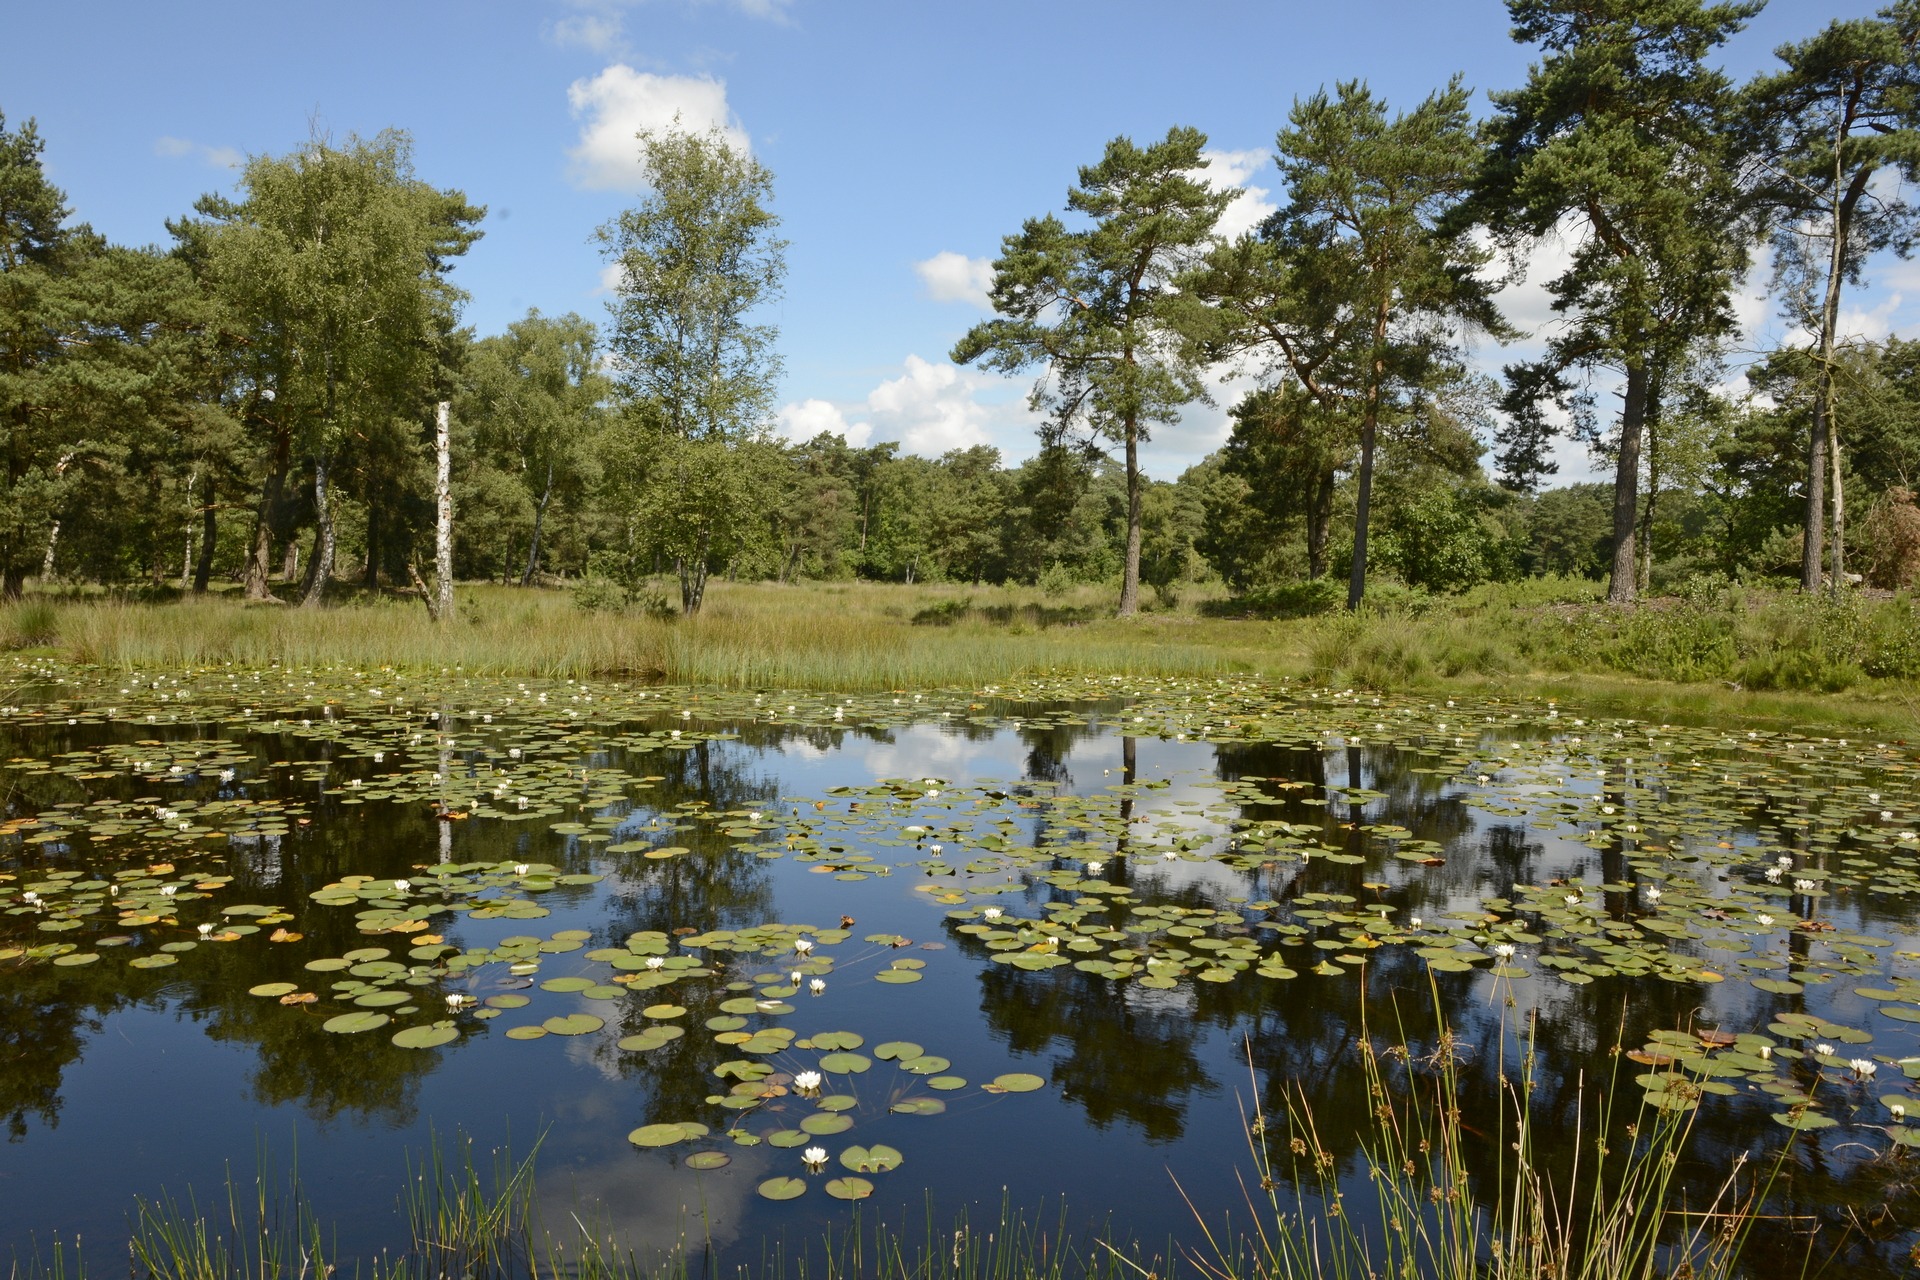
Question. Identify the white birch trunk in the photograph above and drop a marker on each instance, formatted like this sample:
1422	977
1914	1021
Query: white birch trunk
443	515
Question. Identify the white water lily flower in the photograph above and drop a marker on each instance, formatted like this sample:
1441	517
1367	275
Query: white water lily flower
1908	835
519	868
656	962
1416	922
1803	886
803	945
1784	862
1886	815
1824	1049
454	1001
806	1080
991	913
754	816
1765	1051
815	1158
673	733
30	896
1573	899
1503	950
206	931
1763	918
1095	867
401	886
168	890
1863	1067
936	849
1899	1110
1653	894
513	752
817	986
1773	875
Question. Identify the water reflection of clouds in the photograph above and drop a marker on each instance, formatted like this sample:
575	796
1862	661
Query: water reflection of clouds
927	750
634	1201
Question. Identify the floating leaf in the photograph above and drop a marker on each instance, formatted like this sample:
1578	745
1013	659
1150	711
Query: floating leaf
783	1188
875	1159
574	1024
1017	1082
426	1037
350	1023
849	1188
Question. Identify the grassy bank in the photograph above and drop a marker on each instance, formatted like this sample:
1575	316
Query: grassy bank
1718	651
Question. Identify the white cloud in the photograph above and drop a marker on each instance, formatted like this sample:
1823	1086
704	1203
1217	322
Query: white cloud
1237	169
620	103
612	276
954	277
930	409
603	32
808	418
213	157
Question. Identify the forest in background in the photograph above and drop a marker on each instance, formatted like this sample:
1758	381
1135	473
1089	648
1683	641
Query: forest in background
252	402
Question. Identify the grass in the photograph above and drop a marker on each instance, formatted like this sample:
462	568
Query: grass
1719	651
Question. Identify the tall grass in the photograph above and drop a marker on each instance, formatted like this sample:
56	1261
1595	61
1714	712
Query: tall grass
1612	1215
832	636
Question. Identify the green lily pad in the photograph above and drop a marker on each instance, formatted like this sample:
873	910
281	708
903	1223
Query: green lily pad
426	1037
350	1023
875	1159
849	1188
783	1188
826	1123
845	1063
1016	1082
709	1160
574	1024
657	1135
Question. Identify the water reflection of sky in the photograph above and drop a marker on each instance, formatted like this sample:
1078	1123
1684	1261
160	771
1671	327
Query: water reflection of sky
1146	1087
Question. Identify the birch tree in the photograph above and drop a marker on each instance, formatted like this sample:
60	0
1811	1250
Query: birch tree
697	260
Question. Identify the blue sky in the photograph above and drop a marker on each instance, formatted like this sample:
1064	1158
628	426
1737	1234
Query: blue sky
905	140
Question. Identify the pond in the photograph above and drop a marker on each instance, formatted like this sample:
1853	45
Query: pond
735	961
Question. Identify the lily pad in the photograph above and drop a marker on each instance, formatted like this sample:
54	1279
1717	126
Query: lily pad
783	1188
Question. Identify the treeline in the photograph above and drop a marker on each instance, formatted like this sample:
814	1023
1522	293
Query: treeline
253	401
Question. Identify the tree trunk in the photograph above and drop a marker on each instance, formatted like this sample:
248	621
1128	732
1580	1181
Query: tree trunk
1319	524
1626	486
290	562
209	538
320	572
539	520
46	563
1362	506
260	556
370	568
1130	571
1839	513
1814	527
443	513
693	577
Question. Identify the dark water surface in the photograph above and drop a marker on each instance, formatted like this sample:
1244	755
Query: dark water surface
1209	899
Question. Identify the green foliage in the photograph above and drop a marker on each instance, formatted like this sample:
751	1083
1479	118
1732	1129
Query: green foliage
1097	309
695	260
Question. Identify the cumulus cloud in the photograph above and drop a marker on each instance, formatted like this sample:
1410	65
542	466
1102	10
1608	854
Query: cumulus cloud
213	157
930	408
620	103
954	277
1228	170
808	418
